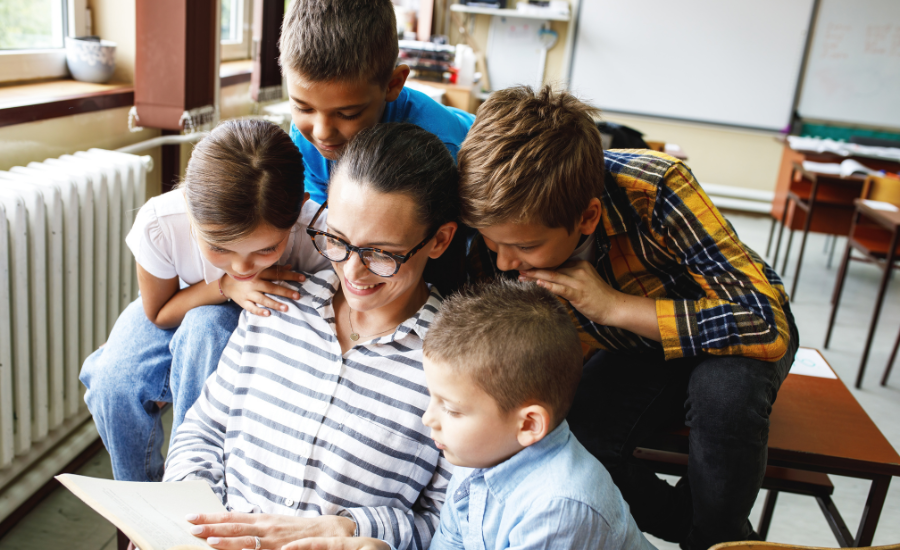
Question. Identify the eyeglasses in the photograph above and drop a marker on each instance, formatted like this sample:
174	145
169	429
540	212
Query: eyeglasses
379	262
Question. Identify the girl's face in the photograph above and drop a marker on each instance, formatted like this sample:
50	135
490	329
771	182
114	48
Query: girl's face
366	218
245	259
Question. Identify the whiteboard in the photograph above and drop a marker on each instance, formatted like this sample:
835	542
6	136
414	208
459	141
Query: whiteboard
853	71
735	63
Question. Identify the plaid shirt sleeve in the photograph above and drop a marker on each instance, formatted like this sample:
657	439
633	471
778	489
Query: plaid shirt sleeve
741	313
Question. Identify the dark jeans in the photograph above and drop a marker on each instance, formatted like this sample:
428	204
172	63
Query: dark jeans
725	400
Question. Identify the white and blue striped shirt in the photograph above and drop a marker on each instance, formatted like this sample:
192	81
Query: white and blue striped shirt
289	425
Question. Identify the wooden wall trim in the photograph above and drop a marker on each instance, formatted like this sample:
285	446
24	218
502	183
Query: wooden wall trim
54	107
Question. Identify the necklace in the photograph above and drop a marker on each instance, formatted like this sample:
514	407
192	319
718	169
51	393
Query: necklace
355	335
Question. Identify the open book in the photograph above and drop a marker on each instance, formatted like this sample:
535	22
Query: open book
150	514
847	168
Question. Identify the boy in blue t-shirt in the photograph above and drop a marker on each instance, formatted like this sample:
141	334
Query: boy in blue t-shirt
338	59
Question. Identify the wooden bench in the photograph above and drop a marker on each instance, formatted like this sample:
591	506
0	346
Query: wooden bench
816	428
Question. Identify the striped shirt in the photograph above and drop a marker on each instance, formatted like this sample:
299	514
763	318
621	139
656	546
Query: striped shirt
289	425
661	237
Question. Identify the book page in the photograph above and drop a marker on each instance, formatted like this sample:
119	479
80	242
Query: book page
809	362
150	514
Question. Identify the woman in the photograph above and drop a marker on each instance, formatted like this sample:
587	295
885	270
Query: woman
316	411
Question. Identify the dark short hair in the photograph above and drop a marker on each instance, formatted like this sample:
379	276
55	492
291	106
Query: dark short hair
514	339
347	40
244	174
530	157
399	157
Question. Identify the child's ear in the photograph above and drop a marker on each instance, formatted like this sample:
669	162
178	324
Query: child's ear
534	424
442	239
395	84
590	218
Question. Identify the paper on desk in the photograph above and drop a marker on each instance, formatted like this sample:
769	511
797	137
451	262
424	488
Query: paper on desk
845	168
809	362
881	205
150	514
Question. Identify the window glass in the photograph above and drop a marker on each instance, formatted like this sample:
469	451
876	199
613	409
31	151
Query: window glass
232	20
31	24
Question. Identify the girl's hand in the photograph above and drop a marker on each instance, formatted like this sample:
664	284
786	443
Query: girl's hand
251	295
337	543
234	531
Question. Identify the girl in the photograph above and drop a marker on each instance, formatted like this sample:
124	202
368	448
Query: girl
312	424
203	251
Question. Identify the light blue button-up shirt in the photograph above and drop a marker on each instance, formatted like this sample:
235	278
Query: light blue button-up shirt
553	494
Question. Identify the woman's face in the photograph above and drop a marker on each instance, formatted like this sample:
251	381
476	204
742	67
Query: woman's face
364	217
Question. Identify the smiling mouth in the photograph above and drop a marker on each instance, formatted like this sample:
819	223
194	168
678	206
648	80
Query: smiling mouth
363	287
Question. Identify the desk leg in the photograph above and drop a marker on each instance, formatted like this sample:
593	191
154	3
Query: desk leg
835	521
872	510
765	520
888	268
838	289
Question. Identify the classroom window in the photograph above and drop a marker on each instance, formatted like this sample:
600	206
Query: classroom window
32	34
36	24
235	29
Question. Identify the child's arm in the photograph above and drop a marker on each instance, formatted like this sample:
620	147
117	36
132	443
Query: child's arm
166	305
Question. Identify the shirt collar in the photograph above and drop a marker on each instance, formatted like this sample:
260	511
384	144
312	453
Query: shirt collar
505	477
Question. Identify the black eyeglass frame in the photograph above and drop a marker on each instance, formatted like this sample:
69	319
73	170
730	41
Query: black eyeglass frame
399	259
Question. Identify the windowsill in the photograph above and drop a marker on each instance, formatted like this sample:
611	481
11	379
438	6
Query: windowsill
34	101
235	72
21	103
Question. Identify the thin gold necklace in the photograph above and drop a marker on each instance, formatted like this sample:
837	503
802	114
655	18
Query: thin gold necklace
355	335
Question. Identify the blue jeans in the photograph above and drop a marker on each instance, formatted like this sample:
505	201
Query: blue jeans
142	364
624	399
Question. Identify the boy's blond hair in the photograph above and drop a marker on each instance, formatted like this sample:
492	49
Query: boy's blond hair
340	40
515	340
530	157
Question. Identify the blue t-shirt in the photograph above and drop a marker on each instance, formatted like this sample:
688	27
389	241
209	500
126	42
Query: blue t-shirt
447	123
553	494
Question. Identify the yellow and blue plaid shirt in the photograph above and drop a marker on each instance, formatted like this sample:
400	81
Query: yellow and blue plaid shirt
663	238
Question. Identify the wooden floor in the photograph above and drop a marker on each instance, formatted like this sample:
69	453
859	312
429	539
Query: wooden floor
61	521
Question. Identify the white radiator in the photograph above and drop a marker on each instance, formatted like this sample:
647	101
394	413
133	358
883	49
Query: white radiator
65	275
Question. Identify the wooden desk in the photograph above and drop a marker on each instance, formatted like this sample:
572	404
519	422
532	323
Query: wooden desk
820	222
889	221
817	425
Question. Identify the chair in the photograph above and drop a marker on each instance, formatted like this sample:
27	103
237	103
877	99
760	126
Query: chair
822	203
873	241
763	545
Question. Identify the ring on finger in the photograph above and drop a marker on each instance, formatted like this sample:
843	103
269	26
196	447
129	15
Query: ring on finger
258	542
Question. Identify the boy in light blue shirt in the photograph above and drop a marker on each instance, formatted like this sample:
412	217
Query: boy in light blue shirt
338	58
502	362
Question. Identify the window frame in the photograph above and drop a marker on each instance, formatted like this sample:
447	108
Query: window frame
234	50
16	65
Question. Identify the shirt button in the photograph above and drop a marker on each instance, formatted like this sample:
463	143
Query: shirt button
288	502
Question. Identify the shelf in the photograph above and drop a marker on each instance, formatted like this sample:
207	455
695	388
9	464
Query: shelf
508	13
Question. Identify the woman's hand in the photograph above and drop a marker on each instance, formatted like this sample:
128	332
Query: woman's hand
337	543
251	295
234	531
